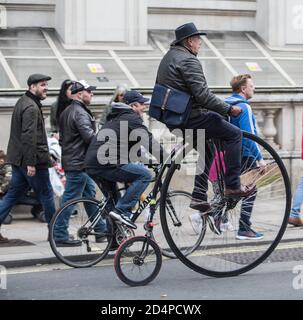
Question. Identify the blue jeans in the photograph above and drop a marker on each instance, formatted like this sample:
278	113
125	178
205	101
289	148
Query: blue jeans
78	184
20	183
297	200
136	174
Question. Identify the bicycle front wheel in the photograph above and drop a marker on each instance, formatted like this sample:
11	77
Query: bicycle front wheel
187	227
138	261
249	228
90	232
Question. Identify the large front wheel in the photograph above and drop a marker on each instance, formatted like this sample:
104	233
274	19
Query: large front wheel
240	233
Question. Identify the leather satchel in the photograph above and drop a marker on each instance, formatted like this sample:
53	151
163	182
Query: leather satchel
170	106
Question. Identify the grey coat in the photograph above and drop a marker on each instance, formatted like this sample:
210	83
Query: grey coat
27	144
182	70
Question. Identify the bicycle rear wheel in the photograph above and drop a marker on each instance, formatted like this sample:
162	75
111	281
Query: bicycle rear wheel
267	210
138	261
84	215
187	228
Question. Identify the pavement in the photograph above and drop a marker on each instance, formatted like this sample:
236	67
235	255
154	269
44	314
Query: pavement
32	247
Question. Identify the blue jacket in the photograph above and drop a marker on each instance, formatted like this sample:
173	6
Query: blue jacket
245	121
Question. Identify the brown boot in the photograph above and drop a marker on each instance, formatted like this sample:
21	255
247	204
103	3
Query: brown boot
243	191
199	205
2	239
297	222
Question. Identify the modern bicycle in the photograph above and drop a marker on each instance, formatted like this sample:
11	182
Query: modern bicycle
95	246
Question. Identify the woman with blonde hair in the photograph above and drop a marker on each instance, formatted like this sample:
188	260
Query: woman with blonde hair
116	98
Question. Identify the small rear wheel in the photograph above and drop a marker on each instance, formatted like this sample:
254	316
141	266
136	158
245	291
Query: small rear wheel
138	261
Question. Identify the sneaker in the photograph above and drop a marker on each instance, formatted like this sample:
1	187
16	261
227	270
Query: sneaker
3	239
249	235
196	222
123	218
227	226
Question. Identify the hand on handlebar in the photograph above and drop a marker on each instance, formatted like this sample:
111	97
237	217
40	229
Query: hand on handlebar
235	111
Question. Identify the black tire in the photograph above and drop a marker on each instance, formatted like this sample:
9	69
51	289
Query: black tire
90	252
178	215
256	257
127	258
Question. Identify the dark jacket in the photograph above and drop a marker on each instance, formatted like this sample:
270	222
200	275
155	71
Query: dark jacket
27	144
53	117
77	128
182	70
121	114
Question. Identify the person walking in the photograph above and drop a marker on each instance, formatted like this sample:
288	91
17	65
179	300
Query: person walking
76	130
28	151
243	90
117	97
62	102
295	217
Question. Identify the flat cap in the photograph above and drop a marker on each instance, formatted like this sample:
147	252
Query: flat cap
35	78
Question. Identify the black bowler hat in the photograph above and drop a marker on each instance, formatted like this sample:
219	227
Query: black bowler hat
185	31
37	77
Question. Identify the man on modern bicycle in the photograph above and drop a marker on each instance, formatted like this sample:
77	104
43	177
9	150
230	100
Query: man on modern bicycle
181	69
109	154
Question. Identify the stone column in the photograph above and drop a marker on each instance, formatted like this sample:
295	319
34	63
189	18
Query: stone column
269	130
280	22
90	22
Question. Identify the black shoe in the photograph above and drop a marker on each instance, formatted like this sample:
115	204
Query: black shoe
70	236
68	243
101	239
114	245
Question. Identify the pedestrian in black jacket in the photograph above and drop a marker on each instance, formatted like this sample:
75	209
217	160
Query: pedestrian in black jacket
181	69
76	130
28	151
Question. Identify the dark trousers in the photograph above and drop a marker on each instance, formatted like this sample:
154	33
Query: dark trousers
231	136
20	183
247	203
